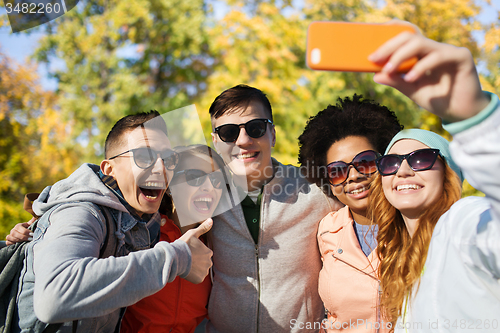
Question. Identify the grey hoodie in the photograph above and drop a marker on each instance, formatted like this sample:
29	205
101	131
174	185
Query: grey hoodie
71	281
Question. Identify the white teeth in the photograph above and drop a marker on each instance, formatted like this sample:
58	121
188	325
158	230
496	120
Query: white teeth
204	199
405	187
244	156
358	190
207	203
151	197
154	184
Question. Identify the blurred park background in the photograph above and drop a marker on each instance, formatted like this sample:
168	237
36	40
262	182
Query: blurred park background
109	58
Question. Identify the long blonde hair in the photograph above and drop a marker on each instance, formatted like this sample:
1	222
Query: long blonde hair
402	257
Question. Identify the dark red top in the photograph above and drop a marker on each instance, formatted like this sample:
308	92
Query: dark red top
179	307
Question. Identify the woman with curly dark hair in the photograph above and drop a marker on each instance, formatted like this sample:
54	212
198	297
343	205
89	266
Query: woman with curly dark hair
338	150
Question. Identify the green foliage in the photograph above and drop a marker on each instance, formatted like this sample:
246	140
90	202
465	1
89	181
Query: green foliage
265	48
468	190
32	137
491	57
121	57
11	213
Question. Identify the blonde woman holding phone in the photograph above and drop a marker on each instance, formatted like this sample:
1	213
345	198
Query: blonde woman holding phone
440	256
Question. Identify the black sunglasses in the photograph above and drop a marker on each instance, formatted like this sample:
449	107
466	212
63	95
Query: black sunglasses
195	177
145	157
364	163
418	160
255	128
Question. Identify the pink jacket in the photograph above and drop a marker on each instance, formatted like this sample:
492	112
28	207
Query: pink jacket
348	282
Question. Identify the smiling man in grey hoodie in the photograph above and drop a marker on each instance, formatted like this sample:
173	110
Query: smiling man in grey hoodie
66	277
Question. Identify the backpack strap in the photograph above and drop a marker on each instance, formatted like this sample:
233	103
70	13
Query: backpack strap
28	203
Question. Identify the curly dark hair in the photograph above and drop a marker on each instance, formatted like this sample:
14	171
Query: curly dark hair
349	117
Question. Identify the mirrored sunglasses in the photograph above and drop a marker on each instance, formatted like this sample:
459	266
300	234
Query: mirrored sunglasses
418	160
364	163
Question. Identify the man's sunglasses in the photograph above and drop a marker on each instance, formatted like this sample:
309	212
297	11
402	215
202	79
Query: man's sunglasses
364	163
418	160
145	157
255	128
195	177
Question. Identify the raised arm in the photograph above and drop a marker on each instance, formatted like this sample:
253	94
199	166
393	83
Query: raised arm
444	81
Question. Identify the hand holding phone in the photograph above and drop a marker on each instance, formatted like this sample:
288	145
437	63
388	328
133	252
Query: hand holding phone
444	81
345	46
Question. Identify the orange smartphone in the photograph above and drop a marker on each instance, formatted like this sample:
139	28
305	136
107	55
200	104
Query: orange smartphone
345	46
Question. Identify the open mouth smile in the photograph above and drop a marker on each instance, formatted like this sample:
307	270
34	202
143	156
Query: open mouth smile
408	187
246	155
152	190
203	203
358	190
